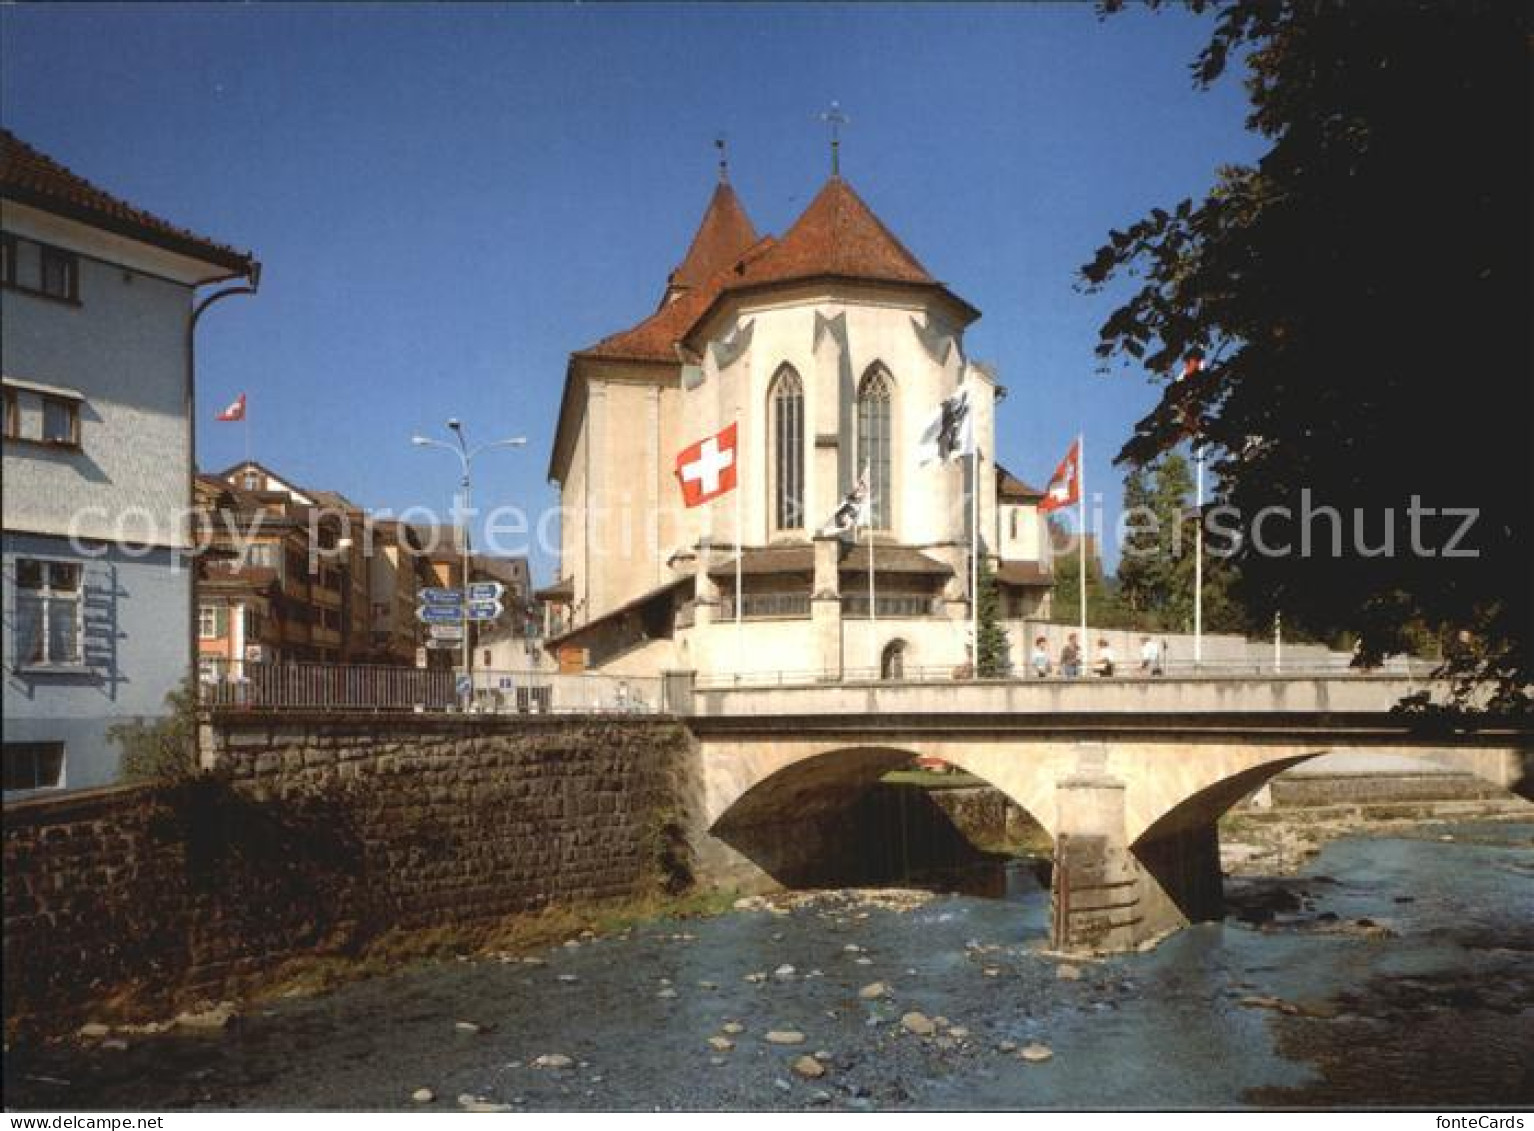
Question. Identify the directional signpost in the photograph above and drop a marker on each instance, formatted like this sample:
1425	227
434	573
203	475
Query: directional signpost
440	596
446	631
486	610
486	591
439	614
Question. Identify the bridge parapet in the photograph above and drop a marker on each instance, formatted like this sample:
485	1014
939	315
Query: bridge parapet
1181	696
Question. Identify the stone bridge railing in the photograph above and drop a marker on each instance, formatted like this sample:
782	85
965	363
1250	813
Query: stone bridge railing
1181	696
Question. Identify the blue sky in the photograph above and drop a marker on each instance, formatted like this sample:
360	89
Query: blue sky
448	200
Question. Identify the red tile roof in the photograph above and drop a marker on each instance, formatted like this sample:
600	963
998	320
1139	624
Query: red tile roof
31	177
837	235
655	338
1009	486
722	238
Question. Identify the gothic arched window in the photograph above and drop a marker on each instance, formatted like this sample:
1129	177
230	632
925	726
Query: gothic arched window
786	405
876	394
892	660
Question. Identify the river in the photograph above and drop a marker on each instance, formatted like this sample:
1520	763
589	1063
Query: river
1429	1002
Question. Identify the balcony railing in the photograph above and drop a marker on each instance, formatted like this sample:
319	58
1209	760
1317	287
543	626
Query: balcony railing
766	606
890	605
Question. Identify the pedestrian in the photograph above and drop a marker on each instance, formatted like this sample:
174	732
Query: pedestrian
1150	656
1040	657
1070	658
1104	663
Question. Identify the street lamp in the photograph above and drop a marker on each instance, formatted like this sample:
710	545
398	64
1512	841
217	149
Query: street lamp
465	456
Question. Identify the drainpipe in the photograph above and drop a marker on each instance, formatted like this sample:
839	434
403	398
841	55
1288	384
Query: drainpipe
252	276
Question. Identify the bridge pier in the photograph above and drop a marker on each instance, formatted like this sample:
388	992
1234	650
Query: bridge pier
1109	895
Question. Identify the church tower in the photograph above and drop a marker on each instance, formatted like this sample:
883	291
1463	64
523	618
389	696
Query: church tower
829	350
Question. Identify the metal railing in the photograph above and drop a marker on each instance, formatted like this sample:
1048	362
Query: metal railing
762	606
1332	667
382	689
891	605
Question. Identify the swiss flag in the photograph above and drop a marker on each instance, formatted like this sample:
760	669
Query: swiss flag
236	410
706	469
1065	485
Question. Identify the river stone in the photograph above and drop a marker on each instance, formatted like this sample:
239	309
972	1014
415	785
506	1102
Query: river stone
475	1103
553	1060
873	991
668	992
93	1030
959	1033
721	1044
784	971
569	977
423	1095
466	1027
992	971
1036	1053
918	1023
864	961
1007	1046
1067	972
115	1044
734	1028
210	1019
785	1037
809	1068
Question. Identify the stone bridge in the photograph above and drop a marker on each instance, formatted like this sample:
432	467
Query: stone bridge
1127	776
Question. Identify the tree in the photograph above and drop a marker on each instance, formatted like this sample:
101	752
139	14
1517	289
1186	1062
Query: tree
994	651
1104	609
164	750
1359	300
1140	564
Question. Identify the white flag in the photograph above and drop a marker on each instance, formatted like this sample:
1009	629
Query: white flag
950	434
852	512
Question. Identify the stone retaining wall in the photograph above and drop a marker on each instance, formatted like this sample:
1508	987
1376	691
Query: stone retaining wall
319	835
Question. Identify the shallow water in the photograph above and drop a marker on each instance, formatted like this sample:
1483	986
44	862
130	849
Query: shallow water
1166	1029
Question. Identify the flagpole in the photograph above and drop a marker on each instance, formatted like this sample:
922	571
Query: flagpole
1081	533
740	552
873	609
1198	558
974	559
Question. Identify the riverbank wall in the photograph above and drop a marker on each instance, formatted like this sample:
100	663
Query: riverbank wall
324	835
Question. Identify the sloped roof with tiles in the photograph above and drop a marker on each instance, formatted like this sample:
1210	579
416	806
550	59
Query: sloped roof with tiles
29	176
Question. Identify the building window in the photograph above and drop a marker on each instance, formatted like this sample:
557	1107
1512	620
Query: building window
12	415
261	555
212	622
892	660
8	260
61	421
252	481
787	409
33	765
59	274
875	399
49	612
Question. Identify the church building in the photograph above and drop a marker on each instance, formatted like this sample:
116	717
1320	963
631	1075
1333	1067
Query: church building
797	368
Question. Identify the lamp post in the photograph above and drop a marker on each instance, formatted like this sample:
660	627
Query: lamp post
465	456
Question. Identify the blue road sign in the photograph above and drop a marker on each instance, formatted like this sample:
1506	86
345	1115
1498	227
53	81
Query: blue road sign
486	591
440	596
485	610
438	614
464	683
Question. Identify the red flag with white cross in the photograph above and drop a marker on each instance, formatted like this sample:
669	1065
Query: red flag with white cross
706	469
1065	484
236	409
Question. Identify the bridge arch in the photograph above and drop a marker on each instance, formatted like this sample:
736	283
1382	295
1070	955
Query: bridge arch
1204	788
787	811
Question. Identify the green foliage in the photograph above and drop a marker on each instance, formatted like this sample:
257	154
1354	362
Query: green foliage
1104	608
164	750
994	649
1359	295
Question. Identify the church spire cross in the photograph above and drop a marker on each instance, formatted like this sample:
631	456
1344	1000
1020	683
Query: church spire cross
836	120
721	143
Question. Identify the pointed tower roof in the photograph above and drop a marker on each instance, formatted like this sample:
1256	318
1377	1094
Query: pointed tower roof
722	238
838	235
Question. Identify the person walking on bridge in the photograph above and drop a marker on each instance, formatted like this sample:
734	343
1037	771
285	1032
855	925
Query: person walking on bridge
1070	658
1104	664
1040	657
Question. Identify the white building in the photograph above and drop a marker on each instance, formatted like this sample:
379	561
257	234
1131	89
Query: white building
831	349
97	299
